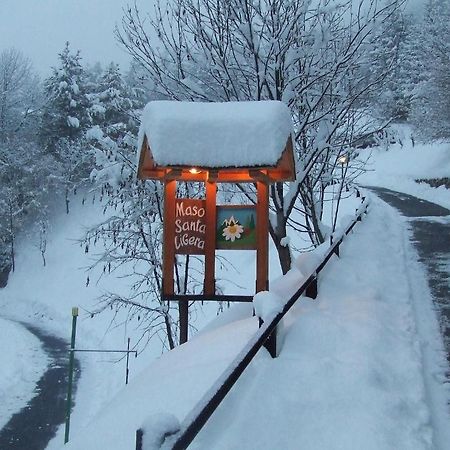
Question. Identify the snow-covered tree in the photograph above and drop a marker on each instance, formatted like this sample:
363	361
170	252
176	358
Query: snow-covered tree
26	183
20	94
66	111
131	233
111	102
431	103
21	188
303	53
390	56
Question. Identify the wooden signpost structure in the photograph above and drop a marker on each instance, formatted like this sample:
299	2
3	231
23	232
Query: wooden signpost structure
200	226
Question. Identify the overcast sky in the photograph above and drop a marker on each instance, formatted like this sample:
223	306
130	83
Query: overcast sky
40	28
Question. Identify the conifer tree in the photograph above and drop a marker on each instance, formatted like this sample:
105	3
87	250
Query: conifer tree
388	56
66	112
111	103
431	105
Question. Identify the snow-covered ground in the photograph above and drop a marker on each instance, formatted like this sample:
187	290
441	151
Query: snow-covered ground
355	363
22	364
399	167
361	367
45	296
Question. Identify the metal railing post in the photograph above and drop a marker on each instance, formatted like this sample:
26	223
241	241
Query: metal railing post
311	290
271	342
70	383
139	438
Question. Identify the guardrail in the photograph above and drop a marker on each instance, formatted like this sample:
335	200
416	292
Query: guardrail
265	336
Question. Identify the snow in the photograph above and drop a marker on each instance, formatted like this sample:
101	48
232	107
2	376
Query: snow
157	427
399	167
95	133
73	122
173	384
23	363
306	263
97	109
267	305
231	134
361	366
45	296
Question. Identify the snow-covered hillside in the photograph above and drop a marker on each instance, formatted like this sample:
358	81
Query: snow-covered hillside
44	296
23	362
400	167
353	372
357	370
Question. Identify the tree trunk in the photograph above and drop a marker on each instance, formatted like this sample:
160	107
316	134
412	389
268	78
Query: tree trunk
183	314
284	253
4	274
169	331
284	256
12	238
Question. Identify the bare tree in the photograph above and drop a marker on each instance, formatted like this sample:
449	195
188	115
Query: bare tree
19	92
307	54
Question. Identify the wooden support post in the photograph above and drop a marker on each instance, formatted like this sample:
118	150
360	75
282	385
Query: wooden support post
262	254
139	436
209	287
169	236
262	224
183	311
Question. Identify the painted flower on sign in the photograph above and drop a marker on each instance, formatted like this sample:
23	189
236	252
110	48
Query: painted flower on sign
232	230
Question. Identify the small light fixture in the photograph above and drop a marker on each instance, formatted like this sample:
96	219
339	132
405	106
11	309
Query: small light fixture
194	171
343	159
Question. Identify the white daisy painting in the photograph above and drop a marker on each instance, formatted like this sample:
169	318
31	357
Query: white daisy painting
233	229
236	228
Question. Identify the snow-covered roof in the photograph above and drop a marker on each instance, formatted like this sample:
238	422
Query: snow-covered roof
215	135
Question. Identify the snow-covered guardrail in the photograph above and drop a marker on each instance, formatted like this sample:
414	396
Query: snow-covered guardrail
179	438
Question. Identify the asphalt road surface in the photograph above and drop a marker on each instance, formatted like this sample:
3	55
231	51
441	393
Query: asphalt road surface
430	225
34	426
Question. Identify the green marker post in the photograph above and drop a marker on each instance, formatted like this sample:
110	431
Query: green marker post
71	362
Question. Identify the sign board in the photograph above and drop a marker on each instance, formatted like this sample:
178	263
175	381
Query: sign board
190	226
200	227
236	228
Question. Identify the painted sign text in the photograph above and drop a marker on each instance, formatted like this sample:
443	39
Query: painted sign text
190	226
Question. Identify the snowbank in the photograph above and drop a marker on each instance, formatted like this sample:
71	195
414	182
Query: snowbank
173	384
23	363
399	167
